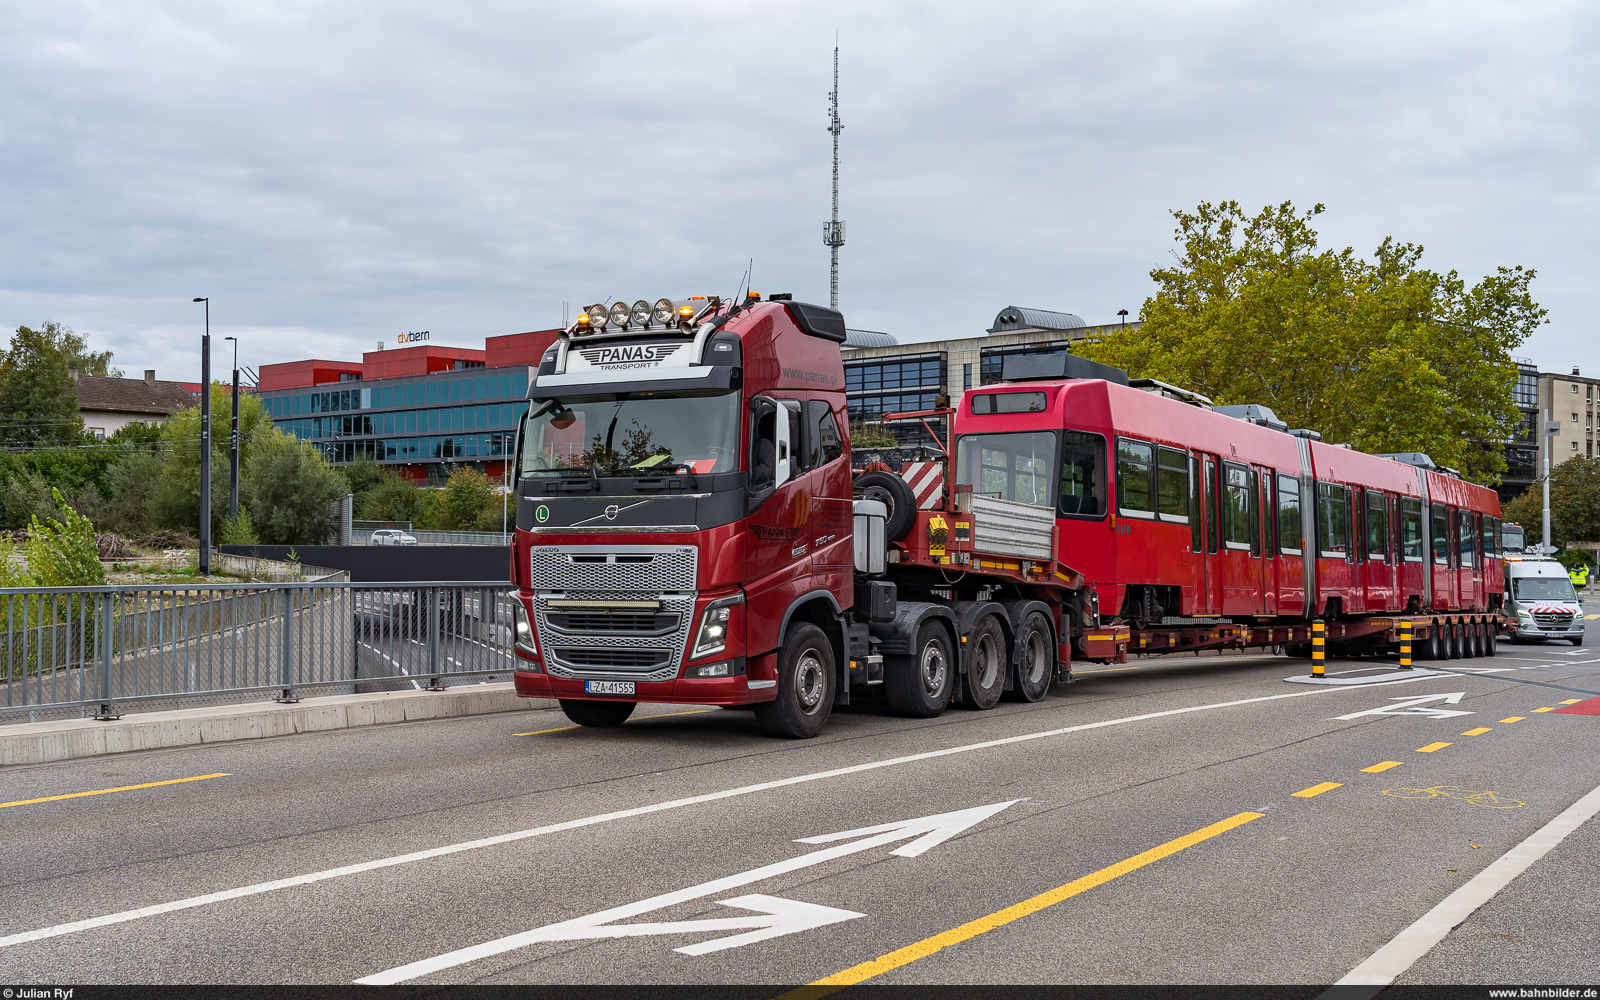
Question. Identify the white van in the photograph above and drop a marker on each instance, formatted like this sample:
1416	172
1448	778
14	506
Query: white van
1540	599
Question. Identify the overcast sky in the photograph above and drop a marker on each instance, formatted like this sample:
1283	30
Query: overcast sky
331	174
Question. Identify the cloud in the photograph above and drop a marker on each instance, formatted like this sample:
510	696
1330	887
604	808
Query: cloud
331	174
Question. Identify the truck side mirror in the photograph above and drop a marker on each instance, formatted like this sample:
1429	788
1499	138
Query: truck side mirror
785	447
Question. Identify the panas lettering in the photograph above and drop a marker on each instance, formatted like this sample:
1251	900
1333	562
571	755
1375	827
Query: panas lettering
637	355
801	375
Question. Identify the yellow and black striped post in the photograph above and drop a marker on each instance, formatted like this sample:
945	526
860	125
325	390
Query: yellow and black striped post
1405	645
1319	648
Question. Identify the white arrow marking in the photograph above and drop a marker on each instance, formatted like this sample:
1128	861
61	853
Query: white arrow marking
1413	706
785	916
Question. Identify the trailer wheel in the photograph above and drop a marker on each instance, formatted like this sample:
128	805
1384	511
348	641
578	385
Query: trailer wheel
986	664
919	685
601	714
895	494
805	686
1480	644
1428	649
1035	659
1492	635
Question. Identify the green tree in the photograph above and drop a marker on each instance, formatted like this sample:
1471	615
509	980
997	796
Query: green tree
176	501
392	498
131	487
467	500
37	403
289	489
239	530
1381	354
1574	504
361	477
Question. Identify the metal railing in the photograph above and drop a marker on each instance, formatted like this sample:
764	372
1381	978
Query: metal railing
81	651
359	537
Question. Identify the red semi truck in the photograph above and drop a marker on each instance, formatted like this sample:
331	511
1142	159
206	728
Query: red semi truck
689	529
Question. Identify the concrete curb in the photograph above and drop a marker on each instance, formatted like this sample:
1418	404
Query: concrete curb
70	739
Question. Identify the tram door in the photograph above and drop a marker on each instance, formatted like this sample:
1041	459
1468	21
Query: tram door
1289	557
1241	541
1209	578
1266	541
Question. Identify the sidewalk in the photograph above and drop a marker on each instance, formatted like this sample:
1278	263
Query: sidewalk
69	739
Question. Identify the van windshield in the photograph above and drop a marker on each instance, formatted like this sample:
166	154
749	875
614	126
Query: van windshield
633	434
1542	588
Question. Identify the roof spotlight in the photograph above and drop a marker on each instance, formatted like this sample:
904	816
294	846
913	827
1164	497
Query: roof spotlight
597	315
619	313
663	312
640	313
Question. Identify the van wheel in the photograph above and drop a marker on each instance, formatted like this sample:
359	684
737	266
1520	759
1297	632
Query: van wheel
1036	659
986	664
895	494
805	686
919	685
1576	641
601	714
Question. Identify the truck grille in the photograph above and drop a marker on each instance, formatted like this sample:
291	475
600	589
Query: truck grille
613	643
1553	620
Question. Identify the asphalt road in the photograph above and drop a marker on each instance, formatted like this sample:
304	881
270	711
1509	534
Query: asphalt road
1149	822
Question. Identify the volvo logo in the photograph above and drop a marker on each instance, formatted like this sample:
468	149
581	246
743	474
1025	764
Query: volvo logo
612	511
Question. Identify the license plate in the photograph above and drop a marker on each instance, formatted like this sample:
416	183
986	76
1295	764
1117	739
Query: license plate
608	687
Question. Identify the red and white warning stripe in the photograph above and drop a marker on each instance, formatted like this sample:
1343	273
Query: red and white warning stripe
927	482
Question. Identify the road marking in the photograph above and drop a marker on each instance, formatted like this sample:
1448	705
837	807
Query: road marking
1488	799
1405	948
1315	790
1514	718
1479	731
1431	747
108	791
791	916
1552	708
429	854
971	929
1414	706
1572	701
1374	769
641	718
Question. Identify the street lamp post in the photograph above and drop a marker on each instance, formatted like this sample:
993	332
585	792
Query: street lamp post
1551	429
1124	314
205	442
233	448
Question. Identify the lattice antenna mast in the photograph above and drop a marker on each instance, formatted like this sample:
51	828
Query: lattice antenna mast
833	231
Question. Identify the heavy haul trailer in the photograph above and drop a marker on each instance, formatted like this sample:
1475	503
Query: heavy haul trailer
687	531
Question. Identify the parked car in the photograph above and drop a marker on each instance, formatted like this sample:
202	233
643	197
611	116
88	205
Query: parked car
392	536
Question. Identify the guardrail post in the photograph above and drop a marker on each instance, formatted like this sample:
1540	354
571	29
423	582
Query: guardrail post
108	708
1405	645
1319	650
286	672
435	624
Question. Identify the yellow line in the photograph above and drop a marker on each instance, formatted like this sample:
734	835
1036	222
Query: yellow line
1550	709
1431	747
108	791
1315	790
641	718
922	949
1479	731
1514	718
1374	769
1572	701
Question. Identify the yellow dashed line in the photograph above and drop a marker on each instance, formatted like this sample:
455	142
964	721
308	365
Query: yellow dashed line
1572	701
1374	769
1514	718
1431	747
1315	790
1550	709
108	791
1479	731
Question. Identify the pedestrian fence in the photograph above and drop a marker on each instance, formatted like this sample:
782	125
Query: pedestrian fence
360	537
70	652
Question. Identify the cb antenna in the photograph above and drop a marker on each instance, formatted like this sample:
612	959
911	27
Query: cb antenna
833	231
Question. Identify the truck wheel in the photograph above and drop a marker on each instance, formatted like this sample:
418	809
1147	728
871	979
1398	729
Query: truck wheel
1480	639
1429	647
986	664
919	685
602	714
805	686
1491	637
1036	659
895	494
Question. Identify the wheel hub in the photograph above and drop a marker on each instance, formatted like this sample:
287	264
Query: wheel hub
809	682
932	669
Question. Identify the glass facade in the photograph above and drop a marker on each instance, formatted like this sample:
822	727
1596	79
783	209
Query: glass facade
893	385
435	418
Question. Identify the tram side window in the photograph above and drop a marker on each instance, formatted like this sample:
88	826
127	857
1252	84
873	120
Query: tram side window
1196	505
1441	535
1377	527
1083	463
1333	506
1491	536
1239	508
1211	506
1135	478
1411	530
1289	529
1464	538
1172	480
1269	533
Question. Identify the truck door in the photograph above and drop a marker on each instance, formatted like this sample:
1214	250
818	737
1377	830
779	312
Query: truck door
1291	558
830	490
778	537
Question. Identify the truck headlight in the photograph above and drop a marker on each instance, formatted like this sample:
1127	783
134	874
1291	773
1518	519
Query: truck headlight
522	627
713	635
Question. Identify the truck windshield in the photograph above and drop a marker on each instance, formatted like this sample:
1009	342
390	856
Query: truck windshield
1542	588
633	434
1512	538
1018	466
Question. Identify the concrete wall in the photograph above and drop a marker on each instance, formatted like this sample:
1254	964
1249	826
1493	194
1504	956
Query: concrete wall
395	564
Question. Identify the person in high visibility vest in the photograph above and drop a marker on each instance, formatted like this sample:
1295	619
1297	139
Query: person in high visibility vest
1579	575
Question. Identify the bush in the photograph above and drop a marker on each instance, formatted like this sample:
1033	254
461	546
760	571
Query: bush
63	552
239	530
290	488
467	500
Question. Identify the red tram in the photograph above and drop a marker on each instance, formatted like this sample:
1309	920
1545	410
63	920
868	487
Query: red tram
1175	512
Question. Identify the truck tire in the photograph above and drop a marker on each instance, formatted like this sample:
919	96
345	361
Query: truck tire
600	714
919	685
1492	636
806	678
895	494
1036	659
1480	640
986	664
